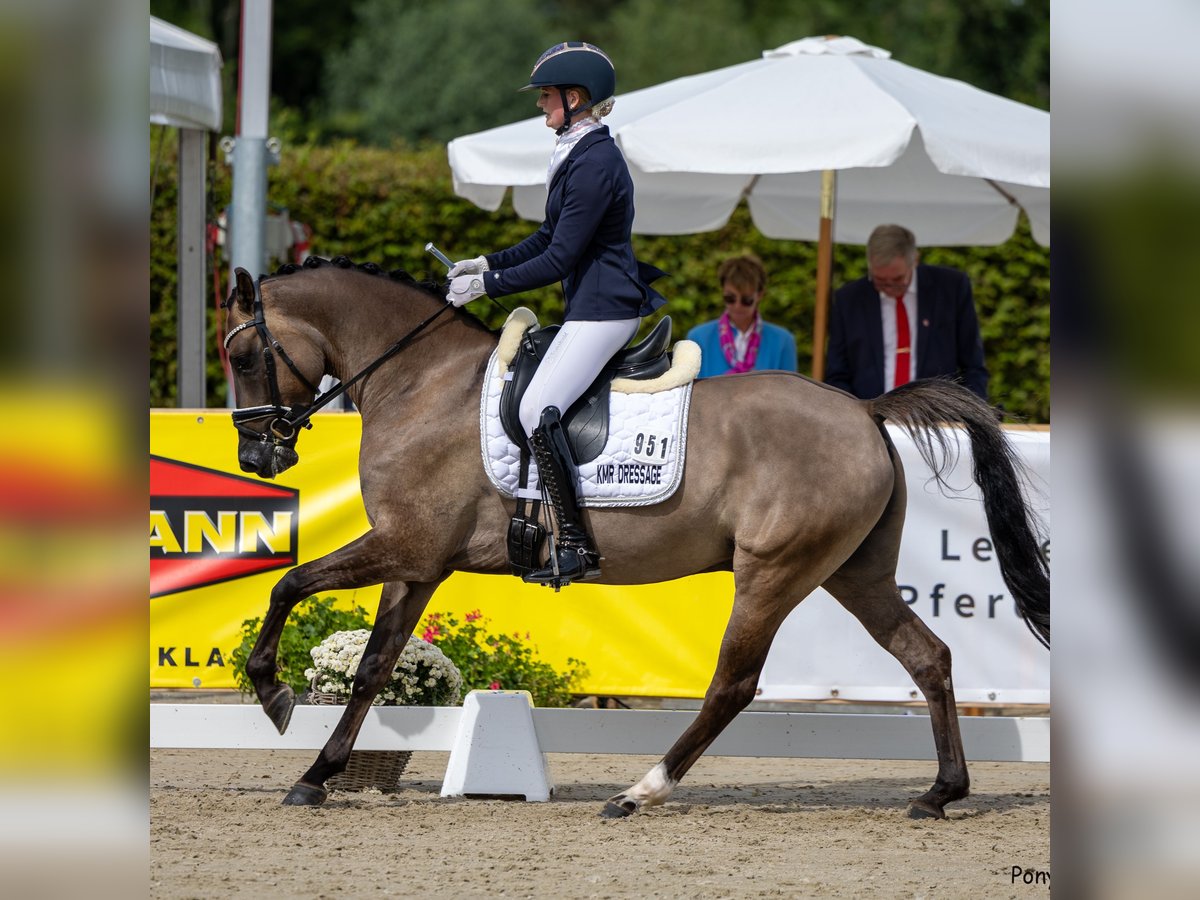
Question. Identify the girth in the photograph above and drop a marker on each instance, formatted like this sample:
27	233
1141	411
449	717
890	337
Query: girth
587	419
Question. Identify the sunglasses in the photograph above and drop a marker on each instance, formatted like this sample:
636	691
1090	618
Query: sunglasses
733	299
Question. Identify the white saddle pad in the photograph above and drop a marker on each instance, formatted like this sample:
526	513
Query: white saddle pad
642	461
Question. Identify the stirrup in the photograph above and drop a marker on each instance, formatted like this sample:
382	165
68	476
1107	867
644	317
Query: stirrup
566	565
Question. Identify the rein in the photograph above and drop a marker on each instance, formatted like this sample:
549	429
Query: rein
288	420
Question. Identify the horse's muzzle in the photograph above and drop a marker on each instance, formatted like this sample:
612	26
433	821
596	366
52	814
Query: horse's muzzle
266	459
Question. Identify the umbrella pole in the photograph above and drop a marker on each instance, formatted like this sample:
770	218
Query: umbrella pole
824	273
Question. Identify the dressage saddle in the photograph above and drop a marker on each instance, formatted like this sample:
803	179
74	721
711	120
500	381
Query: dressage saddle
587	419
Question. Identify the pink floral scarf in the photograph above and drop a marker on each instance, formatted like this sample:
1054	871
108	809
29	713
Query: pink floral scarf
729	347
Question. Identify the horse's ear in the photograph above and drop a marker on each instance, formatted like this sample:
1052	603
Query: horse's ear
245	290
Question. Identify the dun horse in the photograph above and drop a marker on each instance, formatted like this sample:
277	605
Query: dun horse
789	484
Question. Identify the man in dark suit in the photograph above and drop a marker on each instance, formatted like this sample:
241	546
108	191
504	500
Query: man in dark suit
902	322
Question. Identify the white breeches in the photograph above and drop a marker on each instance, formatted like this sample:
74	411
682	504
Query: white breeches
576	355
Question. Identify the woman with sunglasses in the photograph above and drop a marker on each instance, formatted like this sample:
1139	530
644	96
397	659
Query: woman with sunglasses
584	242
740	341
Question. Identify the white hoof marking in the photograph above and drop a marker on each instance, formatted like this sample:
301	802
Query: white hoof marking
654	789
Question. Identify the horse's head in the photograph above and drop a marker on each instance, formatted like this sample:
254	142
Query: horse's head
270	382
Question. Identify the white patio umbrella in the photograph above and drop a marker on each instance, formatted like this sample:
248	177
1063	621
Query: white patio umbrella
818	131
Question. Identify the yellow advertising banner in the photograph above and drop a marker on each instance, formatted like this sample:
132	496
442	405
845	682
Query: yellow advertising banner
220	540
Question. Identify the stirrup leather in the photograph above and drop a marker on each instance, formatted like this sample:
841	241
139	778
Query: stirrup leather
526	534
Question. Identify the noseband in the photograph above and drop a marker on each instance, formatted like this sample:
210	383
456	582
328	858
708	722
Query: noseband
284	422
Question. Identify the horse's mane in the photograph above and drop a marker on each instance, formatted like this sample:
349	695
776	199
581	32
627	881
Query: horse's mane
432	288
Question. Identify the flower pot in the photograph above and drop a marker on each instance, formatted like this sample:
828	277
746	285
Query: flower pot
366	769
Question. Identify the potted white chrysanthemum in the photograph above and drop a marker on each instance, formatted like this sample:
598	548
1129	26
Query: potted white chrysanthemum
423	676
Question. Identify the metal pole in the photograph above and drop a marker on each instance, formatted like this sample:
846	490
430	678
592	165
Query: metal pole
824	272
191	307
247	220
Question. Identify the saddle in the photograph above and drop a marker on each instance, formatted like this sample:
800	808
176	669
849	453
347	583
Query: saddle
587	420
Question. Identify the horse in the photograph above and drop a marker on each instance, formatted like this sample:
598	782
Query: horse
799	486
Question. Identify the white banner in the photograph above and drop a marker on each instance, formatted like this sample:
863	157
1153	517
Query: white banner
948	574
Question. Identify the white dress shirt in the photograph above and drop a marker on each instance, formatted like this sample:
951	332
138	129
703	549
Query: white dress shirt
741	340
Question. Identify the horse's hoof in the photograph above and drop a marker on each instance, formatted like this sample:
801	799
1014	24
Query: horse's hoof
617	811
923	809
279	709
303	794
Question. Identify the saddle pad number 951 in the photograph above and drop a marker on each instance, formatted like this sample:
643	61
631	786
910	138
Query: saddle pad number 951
641	463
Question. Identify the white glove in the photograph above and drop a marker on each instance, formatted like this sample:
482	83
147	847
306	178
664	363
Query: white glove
464	289
476	266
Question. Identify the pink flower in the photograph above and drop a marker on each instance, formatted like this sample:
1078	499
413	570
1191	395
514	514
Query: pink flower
494	686
430	634
473	615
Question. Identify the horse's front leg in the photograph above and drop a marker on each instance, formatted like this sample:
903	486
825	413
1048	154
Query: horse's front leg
363	562
276	699
400	608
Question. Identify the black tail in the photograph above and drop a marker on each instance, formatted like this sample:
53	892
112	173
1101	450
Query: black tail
920	408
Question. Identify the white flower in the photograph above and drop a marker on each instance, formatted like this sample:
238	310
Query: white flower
423	675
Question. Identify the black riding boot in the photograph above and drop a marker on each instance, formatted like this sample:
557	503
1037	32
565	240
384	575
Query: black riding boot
577	559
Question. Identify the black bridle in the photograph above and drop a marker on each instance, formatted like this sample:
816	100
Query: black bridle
285	421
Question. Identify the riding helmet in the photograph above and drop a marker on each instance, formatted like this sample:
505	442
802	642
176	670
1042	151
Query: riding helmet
575	63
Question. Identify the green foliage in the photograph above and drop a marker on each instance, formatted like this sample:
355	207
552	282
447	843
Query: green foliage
412	71
164	286
382	70
435	70
491	661
311	622
709	29
1011	284
486	660
383	205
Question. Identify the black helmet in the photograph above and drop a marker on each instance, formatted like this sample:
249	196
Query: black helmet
575	63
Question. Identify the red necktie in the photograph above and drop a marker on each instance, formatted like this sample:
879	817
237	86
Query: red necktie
903	344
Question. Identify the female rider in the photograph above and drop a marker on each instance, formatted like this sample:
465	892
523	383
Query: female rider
584	242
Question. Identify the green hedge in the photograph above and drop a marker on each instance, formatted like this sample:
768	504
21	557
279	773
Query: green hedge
383	205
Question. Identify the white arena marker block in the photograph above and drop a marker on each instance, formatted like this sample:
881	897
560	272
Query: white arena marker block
496	751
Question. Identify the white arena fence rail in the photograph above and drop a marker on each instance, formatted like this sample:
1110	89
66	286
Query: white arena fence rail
621	731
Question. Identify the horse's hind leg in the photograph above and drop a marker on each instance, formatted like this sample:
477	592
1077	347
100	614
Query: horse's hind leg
400	608
759	609
879	607
866	586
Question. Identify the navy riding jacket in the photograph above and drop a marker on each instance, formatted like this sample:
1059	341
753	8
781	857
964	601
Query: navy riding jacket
584	241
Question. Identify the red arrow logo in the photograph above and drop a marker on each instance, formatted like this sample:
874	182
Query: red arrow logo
207	526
